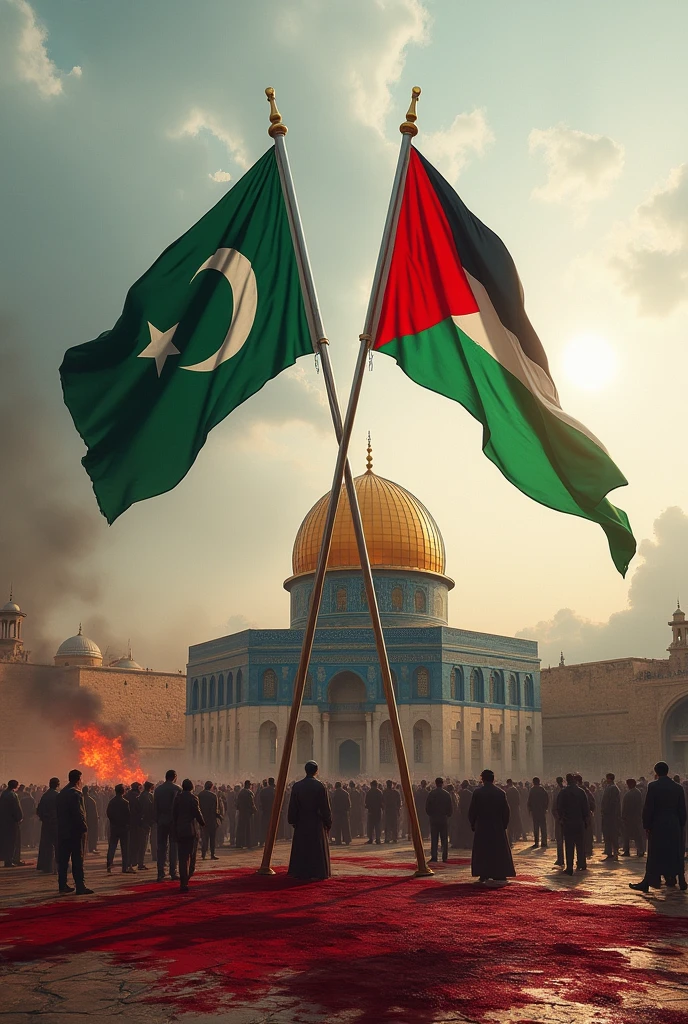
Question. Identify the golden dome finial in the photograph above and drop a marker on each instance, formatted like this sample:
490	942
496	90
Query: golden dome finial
369	457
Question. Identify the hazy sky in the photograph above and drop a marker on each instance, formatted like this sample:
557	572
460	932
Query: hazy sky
561	125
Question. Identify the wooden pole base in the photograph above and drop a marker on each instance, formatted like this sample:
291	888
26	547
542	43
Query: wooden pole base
267	871
423	872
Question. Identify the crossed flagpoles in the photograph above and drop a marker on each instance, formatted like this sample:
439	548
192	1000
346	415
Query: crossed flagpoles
342	471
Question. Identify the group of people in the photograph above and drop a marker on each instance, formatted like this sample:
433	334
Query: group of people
478	815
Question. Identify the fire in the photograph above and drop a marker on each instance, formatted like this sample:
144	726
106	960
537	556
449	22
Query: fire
106	756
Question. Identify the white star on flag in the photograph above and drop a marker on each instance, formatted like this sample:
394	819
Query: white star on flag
160	346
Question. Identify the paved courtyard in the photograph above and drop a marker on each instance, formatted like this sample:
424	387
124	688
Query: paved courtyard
372	944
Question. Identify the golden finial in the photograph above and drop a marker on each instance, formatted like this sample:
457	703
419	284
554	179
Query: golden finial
276	126
409	125
369	457
79	629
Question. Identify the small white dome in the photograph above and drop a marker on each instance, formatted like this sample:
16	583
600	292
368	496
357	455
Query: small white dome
11	606
78	646
127	663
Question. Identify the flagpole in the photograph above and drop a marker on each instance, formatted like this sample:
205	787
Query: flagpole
277	131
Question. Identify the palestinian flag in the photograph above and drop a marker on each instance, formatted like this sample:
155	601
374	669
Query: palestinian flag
453	318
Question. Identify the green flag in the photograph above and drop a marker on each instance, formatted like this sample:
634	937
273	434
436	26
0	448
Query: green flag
217	315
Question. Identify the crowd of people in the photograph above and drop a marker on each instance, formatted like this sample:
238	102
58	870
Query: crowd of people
166	824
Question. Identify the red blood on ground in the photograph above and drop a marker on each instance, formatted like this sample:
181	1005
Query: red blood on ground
391	948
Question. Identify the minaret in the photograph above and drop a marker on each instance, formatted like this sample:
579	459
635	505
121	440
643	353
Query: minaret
11	640
678	648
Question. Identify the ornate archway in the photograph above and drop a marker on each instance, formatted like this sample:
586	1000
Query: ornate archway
675	738
349	758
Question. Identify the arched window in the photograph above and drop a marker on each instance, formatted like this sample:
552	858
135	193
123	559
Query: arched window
397	599
421	742
496	687
456	683
528	692
420	601
340	599
308	689
194	695
513	689
204	693
269	684
239	687
421	682
211	698
267	743
220	690
386	745
477	692
439	605
230	688
304	742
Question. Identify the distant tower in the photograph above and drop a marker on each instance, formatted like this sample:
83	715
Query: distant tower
678	648
11	641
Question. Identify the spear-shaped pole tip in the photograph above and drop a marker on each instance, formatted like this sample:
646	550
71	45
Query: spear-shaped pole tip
409	125
276	125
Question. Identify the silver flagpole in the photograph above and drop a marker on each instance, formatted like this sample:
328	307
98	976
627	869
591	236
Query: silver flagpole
320	344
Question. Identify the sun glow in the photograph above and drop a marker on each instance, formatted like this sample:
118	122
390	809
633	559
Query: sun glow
589	362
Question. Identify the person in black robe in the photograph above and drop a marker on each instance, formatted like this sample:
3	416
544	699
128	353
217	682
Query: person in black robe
439	808
538	802
266	798
341	808
146	803
373	805
119	816
489	818
573	812
246	809
420	796
632	820
391	806
356	798
10	825
664	818
611	818
71	836
91	808
163	800
311	817
47	814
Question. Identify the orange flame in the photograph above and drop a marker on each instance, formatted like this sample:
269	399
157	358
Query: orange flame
104	754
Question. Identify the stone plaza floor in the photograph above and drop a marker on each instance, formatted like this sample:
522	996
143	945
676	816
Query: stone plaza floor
371	944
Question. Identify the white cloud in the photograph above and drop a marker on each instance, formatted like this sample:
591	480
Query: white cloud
651	250
32	61
220	176
393	26
201	121
640	630
451	148
580	167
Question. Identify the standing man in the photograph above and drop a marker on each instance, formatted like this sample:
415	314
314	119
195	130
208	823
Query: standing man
341	807
513	798
187	820
246	811
488	815
119	815
373	805
163	800
590	827
232	793
420	796
391	805
210	809
558	831
632	820
438	807
664	818
91	808
356	798
10	825
311	817
266	799
538	802
47	813
611	818
71	836
573	813
147	823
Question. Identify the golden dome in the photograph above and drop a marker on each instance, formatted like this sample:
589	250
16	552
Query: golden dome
399	530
